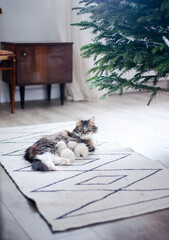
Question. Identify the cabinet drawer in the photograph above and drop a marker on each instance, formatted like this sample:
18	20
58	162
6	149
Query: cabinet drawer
31	65
59	64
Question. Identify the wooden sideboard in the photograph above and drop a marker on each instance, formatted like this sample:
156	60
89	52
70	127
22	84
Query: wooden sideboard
40	63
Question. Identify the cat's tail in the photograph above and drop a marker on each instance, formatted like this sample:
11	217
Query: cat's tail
37	165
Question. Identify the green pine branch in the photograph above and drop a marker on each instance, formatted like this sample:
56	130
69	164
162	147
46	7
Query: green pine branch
127	35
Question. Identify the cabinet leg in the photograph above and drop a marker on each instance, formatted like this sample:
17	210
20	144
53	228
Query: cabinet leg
13	85
10	92
12	97
49	87
22	96
62	93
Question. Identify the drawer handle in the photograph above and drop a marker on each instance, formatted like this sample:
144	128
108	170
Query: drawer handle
23	54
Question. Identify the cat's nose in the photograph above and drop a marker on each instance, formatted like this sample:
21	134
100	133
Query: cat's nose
85	131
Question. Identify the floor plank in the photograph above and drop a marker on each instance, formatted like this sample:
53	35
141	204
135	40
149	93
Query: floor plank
149	226
10	229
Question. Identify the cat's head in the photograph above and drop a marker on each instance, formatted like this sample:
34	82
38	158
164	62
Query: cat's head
85	127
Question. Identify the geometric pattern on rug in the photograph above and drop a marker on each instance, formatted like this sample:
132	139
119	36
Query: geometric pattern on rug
112	183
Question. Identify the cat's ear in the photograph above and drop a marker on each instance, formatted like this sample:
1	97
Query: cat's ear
78	121
92	120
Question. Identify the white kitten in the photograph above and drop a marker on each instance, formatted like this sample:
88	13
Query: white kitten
80	149
72	145
65	152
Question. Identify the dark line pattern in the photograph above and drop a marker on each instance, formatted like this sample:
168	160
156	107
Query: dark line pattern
27	134
86	182
23	168
113	192
94	183
87	161
112	208
13	153
107	190
84	171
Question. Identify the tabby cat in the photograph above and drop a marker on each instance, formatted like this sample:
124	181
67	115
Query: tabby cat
43	154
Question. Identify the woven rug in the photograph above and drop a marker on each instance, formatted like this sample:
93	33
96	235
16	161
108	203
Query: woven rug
112	183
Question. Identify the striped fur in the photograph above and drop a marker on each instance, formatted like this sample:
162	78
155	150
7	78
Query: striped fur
48	144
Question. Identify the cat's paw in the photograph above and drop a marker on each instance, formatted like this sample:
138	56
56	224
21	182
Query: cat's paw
91	148
54	168
65	161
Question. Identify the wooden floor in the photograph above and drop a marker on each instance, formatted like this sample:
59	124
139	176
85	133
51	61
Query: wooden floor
126	119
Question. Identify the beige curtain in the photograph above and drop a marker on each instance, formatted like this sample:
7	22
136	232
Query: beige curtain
63	17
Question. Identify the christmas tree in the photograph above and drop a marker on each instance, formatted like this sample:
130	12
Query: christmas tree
127	35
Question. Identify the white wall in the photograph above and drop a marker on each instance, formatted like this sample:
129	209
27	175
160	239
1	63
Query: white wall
28	21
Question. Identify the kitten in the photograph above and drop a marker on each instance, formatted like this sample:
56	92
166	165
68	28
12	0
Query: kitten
65	152
44	153
80	149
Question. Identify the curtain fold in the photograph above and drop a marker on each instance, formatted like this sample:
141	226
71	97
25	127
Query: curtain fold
63	17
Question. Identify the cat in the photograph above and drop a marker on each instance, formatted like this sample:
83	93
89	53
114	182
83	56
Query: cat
44	153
